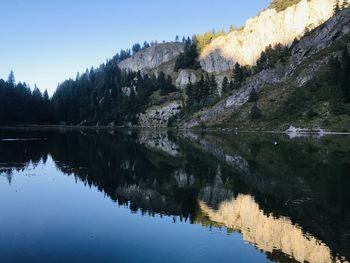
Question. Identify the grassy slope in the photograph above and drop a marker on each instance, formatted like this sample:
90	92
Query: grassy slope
286	104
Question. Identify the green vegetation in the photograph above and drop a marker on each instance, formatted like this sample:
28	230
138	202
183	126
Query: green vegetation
225	86
331	88
271	56
239	75
20	104
102	96
255	112
206	38
107	95
281	5
253	97
189	58
201	94
339	6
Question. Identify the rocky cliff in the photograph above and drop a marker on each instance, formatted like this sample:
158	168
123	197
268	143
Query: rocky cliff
308	54
268	28
158	116
152	57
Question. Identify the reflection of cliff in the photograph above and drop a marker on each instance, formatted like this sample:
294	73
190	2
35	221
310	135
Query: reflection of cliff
267	232
159	141
305	179
149	200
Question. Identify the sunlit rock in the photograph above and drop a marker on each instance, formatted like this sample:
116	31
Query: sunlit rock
185	77
268	28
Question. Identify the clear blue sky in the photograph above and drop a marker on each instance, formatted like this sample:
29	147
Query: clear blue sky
48	41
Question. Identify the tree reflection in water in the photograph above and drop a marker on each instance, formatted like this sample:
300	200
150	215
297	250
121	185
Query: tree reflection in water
290	200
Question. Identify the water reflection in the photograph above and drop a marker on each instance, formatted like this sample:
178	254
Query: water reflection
267	232
289	199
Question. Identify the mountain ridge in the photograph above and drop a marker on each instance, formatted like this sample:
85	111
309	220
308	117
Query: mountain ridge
316	41
286	67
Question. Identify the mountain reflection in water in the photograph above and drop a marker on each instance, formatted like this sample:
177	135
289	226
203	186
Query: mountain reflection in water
290	199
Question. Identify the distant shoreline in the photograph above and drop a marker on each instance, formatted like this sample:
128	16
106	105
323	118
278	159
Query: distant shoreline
304	132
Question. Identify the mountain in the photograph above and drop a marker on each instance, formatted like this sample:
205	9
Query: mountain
288	66
280	52
270	27
303	68
153	57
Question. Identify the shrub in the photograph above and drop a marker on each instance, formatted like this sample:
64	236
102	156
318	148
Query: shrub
253	97
255	112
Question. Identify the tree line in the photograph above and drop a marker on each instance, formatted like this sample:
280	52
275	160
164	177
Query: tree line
109	96
19	104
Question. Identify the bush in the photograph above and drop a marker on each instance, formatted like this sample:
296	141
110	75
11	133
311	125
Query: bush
188	59
281	5
255	112
253	97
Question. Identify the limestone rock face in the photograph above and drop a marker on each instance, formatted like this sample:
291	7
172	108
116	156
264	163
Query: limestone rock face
185	77
308	46
159	116
152	57
268	28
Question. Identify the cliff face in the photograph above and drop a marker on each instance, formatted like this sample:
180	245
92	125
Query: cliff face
304	54
152	57
268	28
158	116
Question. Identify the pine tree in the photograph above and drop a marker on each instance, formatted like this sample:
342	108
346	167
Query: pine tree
237	76
253	97
225	86
145	45
190	95
11	79
213	90
255	112
345	75
334	69
206	88
198	90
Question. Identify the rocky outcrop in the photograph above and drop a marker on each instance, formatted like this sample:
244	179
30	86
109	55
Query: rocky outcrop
152	57
303	51
158	116
268	28
185	77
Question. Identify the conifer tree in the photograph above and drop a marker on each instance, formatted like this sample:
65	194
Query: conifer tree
255	112
253	97
225	86
190	95
11	79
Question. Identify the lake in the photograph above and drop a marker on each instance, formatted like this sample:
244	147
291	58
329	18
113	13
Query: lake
151	196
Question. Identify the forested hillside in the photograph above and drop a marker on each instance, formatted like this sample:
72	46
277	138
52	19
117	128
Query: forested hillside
305	83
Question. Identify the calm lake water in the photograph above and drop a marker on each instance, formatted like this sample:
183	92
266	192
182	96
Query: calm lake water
141	196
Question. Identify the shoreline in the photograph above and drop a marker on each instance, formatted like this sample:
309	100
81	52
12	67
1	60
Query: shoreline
300	132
